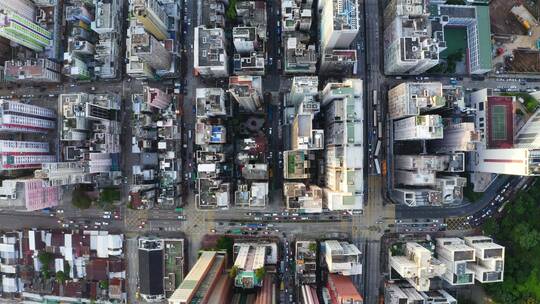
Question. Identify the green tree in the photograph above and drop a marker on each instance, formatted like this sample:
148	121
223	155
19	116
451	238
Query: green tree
259	273
526	236
231	11
103	284
490	226
313	247
233	272
45	258
61	277
45	273
108	196
80	199
67	269
225	243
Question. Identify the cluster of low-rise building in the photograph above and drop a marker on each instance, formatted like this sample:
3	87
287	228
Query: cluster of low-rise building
87	150
155	149
67	266
94	39
414	266
322	162
32	29
472	133
326	268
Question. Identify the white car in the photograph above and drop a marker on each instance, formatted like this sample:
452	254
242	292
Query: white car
106	216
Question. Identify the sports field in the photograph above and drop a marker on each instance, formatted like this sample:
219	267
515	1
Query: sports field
498	122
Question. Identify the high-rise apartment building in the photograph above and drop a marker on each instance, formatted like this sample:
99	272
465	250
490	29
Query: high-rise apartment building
156	98
23	154
152	15
247	91
457	137
416	264
149	49
344	186
20	117
25	8
489	264
414	98
23	31
406	294
340	23
32	71
412	42
422	127
342	257
456	255
210	54
28	194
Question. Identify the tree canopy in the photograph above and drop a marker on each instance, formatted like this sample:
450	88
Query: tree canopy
80	199
519	231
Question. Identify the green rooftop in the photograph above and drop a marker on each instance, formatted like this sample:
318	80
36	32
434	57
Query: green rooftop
484	36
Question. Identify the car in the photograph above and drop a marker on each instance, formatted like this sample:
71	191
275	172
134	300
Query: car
141	226
213	230
266	232
104	223
181	217
97	223
59	221
106	216
60	211
232	224
71	221
143	222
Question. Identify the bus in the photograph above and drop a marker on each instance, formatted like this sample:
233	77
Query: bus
377	166
378	148
375	98
178	209
380	131
375	118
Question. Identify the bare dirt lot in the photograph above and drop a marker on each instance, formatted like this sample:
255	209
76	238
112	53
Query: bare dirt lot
503	22
525	61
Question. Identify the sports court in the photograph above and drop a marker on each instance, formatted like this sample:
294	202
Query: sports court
500	122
